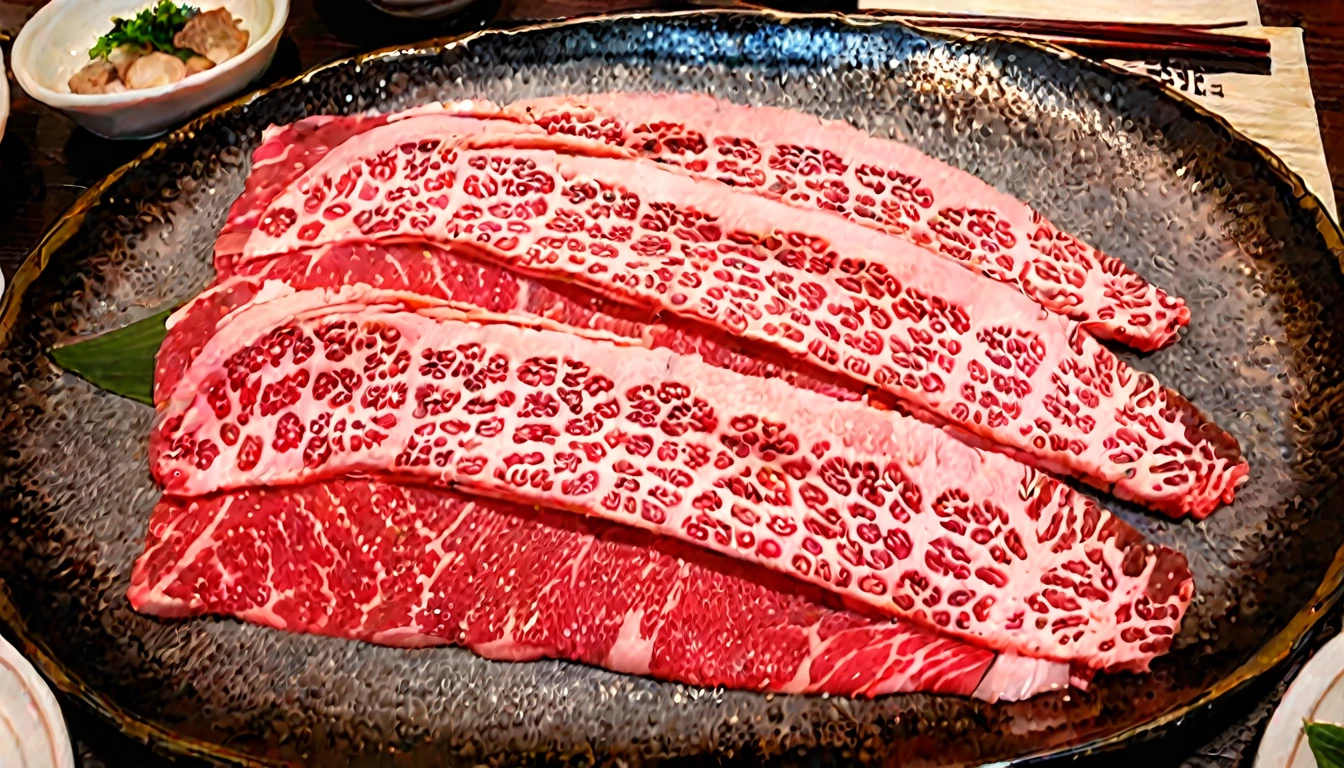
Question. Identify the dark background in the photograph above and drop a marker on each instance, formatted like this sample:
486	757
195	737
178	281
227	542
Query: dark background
46	162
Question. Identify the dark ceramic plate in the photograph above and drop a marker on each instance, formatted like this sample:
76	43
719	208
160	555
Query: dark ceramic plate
1184	200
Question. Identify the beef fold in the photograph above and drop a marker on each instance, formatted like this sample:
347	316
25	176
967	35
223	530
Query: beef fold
413	567
972	352
875	506
285	152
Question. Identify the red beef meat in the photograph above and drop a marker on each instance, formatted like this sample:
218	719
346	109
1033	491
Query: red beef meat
830	166
888	185
473	286
974	353
413	567
285	152
880	508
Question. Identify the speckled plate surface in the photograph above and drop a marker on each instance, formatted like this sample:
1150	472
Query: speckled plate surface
1112	157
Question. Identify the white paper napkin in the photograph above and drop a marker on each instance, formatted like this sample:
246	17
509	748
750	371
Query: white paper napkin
1277	110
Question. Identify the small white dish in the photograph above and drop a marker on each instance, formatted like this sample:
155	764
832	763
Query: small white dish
4	118
55	44
1316	694
32	731
4	114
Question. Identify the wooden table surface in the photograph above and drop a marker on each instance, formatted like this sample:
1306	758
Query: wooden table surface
45	163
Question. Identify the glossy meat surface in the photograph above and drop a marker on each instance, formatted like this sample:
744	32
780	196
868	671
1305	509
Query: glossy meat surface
516	584
972	352
878	507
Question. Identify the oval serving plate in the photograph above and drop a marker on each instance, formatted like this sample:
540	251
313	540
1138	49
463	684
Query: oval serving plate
1147	177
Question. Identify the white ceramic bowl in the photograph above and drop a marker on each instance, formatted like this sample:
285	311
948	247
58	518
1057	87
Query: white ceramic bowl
32	731
1316	694
4	108
55	44
4	117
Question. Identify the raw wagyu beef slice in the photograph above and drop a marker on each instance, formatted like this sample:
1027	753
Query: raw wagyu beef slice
414	567
477	287
885	184
805	162
972	352
873	505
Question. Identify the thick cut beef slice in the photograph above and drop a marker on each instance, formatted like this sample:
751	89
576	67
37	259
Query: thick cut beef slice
413	567
873	505
972	352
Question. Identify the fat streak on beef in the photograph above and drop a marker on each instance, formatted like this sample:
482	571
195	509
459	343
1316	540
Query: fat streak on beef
875	506
798	280
412	567
888	185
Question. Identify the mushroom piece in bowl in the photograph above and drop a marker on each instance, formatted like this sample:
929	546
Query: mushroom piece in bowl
214	35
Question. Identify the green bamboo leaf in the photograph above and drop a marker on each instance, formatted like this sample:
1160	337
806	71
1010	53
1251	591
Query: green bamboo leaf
1327	744
120	361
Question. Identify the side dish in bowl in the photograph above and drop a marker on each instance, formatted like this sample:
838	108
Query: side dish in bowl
160	46
134	69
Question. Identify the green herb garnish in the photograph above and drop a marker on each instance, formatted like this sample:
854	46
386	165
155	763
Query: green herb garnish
120	361
1327	744
154	27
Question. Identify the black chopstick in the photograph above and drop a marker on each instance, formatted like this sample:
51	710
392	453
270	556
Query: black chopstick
1150	39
